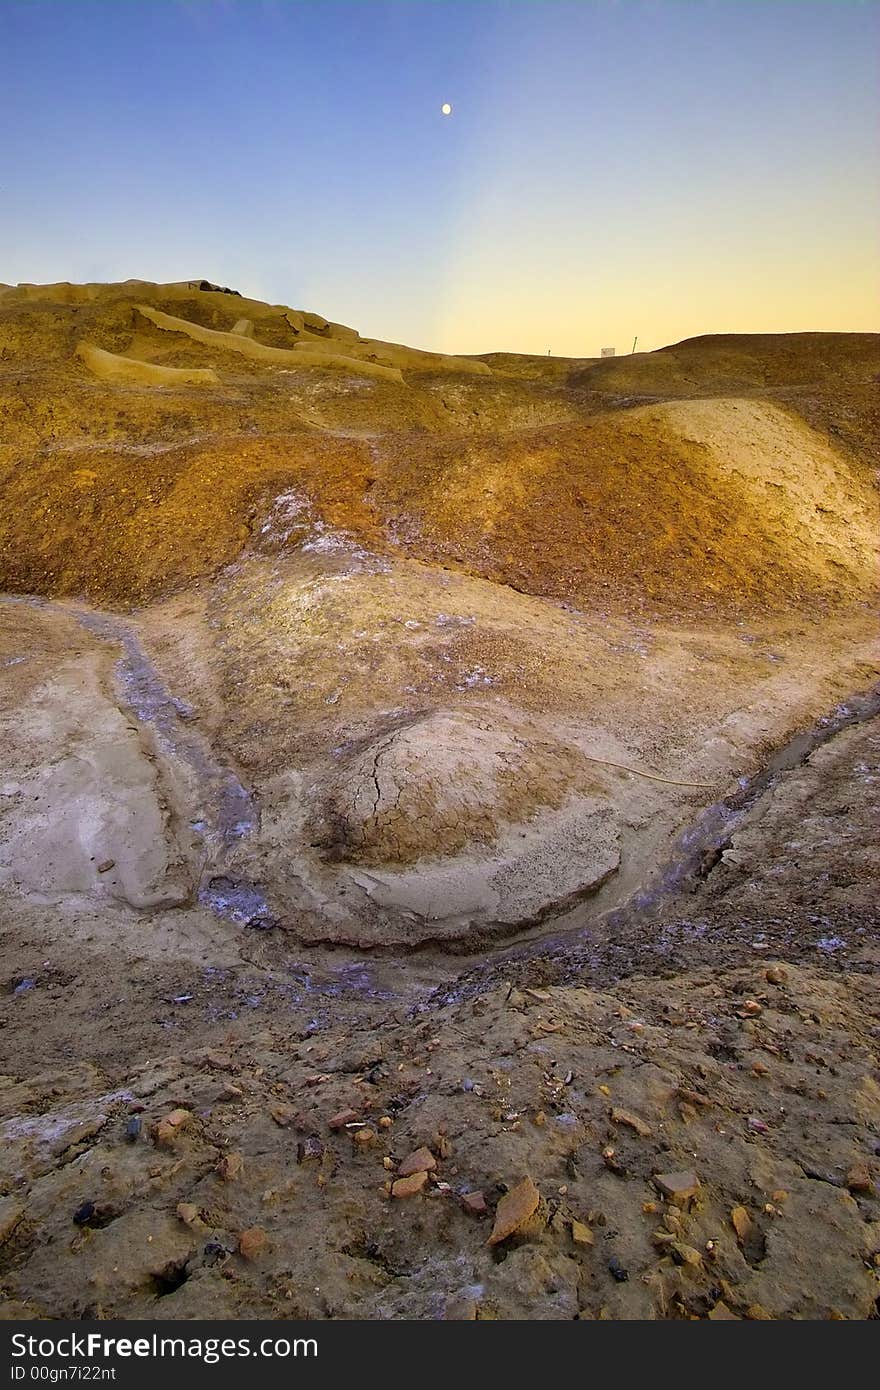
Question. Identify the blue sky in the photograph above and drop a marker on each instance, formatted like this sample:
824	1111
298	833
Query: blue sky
611	167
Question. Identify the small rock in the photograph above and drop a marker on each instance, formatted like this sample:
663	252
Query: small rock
610	1159
422	1161
776	975
626	1117
859	1179
385	1122
106	865
679	1187
581	1234
343	1118
617	1270
363	1137
309	1150
411	1186
686	1254
757	1126
474	1202
84	1214
168	1129
252	1243
694	1097
188	1213
721	1313
514	1210
742	1223
663	1239
283	1115
230	1167
133	1129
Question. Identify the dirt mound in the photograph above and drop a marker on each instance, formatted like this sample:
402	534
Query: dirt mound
552	481
728	501
728	363
430	787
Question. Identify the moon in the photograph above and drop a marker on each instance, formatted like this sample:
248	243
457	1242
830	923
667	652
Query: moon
446	109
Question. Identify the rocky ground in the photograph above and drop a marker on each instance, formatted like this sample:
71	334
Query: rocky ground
437	837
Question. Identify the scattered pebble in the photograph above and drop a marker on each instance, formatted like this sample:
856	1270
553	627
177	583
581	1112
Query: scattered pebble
252	1243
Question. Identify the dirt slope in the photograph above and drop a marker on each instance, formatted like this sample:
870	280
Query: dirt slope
126	489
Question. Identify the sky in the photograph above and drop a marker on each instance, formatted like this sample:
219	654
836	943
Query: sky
611	168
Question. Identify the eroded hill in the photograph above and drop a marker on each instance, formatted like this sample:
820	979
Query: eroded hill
461	630
437	875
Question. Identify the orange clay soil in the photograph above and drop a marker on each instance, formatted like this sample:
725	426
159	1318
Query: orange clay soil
562	483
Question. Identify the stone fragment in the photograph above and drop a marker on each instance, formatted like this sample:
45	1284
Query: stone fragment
742	1223
632	1121
514	1210
421	1161
750	1008
411	1186
252	1243
343	1118
721	1313
581	1234
686	1255
230	1167
188	1213
859	1179
679	1186
169	1127
694	1097
474	1202
363	1137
